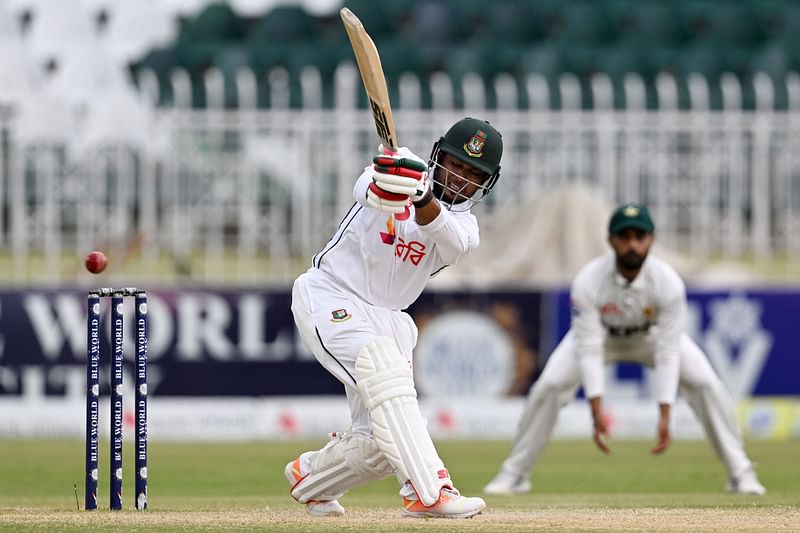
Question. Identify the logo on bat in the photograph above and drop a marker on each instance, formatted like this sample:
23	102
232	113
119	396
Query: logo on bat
381	124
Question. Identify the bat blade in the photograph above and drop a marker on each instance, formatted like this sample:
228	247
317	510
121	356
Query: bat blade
369	65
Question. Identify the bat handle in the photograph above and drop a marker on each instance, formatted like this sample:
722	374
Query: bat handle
387	151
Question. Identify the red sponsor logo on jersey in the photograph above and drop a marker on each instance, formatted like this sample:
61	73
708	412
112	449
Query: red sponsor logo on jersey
610	309
412	251
443	473
388	236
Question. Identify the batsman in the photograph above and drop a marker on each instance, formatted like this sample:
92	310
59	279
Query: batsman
410	220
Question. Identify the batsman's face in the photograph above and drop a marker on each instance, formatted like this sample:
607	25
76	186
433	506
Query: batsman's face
456	181
631	246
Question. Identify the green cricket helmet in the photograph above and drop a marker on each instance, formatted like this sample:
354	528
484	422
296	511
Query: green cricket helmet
476	143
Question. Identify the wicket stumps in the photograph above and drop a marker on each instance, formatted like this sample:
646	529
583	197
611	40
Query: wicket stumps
93	396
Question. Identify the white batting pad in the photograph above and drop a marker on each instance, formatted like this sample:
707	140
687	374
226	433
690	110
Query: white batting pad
386	384
347	461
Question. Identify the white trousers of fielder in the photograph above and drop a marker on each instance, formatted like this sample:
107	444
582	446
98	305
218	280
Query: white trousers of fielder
699	384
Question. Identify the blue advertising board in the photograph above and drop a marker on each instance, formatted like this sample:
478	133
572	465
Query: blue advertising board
243	342
201	343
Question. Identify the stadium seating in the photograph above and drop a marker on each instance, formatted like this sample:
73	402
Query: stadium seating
584	22
133	28
69	67
651	22
56	28
421	37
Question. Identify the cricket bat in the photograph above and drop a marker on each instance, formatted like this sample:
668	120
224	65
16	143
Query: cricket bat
369	65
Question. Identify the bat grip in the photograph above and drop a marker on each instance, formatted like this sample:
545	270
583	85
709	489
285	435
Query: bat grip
386	151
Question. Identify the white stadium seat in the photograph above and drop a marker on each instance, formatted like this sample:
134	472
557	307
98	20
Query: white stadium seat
57	27
134	28
86	72
18	75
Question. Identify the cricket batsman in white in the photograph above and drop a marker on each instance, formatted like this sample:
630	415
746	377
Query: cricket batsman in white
410	220
627	306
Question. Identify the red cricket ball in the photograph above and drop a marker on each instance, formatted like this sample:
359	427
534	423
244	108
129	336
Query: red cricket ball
96	262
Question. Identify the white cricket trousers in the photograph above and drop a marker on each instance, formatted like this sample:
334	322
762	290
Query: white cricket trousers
335	324
559	382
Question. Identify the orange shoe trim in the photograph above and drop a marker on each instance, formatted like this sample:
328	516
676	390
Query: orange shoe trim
407	503
297	475
296	470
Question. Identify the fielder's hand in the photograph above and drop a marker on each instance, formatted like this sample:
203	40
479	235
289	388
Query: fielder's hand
663	438
601	435
398	179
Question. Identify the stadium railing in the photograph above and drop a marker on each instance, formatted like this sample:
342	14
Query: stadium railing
249	194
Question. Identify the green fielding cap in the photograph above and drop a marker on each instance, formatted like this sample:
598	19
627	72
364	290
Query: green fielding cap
631	216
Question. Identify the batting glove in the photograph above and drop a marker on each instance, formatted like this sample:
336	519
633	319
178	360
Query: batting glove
400	172
386	201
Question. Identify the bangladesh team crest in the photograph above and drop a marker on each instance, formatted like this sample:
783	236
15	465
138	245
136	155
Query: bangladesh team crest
340	315
474	147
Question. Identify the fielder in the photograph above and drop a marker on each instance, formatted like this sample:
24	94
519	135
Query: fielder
410	220
627	306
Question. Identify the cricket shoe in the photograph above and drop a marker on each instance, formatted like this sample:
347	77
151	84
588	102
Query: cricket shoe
506	484
450	504
294	475
746	483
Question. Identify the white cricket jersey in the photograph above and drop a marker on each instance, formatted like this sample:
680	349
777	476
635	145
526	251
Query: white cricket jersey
387	260
639	321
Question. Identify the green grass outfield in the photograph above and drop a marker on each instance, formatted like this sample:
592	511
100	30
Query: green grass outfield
240	487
